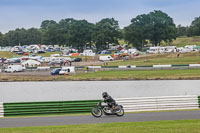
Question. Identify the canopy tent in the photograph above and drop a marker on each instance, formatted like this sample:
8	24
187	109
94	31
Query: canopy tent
31	63
197	47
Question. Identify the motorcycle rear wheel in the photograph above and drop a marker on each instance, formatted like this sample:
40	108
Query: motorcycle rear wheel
96	112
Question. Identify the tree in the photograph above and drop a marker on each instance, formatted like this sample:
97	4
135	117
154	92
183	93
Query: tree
80	34
155	26
33	36
105	32
51	33
194	29
23	37
137	32
1	39
162	28
52	36
181	31
46	24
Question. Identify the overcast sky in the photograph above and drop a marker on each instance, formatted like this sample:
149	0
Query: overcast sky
30	13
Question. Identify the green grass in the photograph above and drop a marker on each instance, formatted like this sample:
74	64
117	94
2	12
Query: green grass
183	41
113	75
178	126
141	75
162	59
179	42
5	54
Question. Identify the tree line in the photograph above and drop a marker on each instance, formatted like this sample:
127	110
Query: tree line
155	27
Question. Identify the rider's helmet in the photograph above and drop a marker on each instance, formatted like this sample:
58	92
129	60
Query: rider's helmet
104	94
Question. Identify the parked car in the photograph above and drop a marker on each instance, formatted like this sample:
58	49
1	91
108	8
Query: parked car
26	54
13	60
51	63
76	59
67	70
55	71
20	53
105	52
2	60
41	52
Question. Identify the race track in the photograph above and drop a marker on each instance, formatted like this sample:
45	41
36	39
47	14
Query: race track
88	119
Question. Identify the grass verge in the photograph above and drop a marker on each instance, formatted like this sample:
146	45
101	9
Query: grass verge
177	126
161	59
188	74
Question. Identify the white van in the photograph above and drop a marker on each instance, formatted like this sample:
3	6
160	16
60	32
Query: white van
106	58
14	68
67	70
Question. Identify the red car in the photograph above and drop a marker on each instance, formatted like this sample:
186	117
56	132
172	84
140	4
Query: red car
26	53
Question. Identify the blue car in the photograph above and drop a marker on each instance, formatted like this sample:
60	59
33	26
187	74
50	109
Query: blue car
55	71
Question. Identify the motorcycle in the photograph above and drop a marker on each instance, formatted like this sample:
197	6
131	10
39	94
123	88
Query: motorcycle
98	110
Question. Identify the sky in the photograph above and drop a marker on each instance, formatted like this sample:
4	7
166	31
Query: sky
30	13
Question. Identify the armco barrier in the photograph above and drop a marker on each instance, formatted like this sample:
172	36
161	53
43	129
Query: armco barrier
144	66
122	67
194	65
162	66
94	67
199	100
109	67
159	103
1	110
148	67
129	104
133	66
183	65
43	68
38	108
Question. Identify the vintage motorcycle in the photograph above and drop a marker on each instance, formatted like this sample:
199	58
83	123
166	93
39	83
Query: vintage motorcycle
101	108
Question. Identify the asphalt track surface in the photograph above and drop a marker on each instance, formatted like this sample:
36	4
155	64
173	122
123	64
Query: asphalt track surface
88	119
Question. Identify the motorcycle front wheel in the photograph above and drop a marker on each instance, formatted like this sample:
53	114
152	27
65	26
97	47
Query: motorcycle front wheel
120	112
96	112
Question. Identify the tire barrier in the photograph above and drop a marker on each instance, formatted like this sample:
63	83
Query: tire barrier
41	108
1	110
159	103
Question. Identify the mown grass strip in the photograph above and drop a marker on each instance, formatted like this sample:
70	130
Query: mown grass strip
178	126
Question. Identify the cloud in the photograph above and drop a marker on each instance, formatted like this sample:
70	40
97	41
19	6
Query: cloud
30	13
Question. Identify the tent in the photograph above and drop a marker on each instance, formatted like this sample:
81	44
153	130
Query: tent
197	47
31	63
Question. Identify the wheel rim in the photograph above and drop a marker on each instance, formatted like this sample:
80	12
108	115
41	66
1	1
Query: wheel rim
96	111
120	112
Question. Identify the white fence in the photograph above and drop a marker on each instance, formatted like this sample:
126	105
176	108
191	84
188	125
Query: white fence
122	66
1	110
154	66
194	65
159	103
94	67
161	66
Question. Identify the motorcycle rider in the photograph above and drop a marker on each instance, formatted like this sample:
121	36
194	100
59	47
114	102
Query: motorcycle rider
109	100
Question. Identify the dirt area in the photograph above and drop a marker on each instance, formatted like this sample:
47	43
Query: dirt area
28	73
89	63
